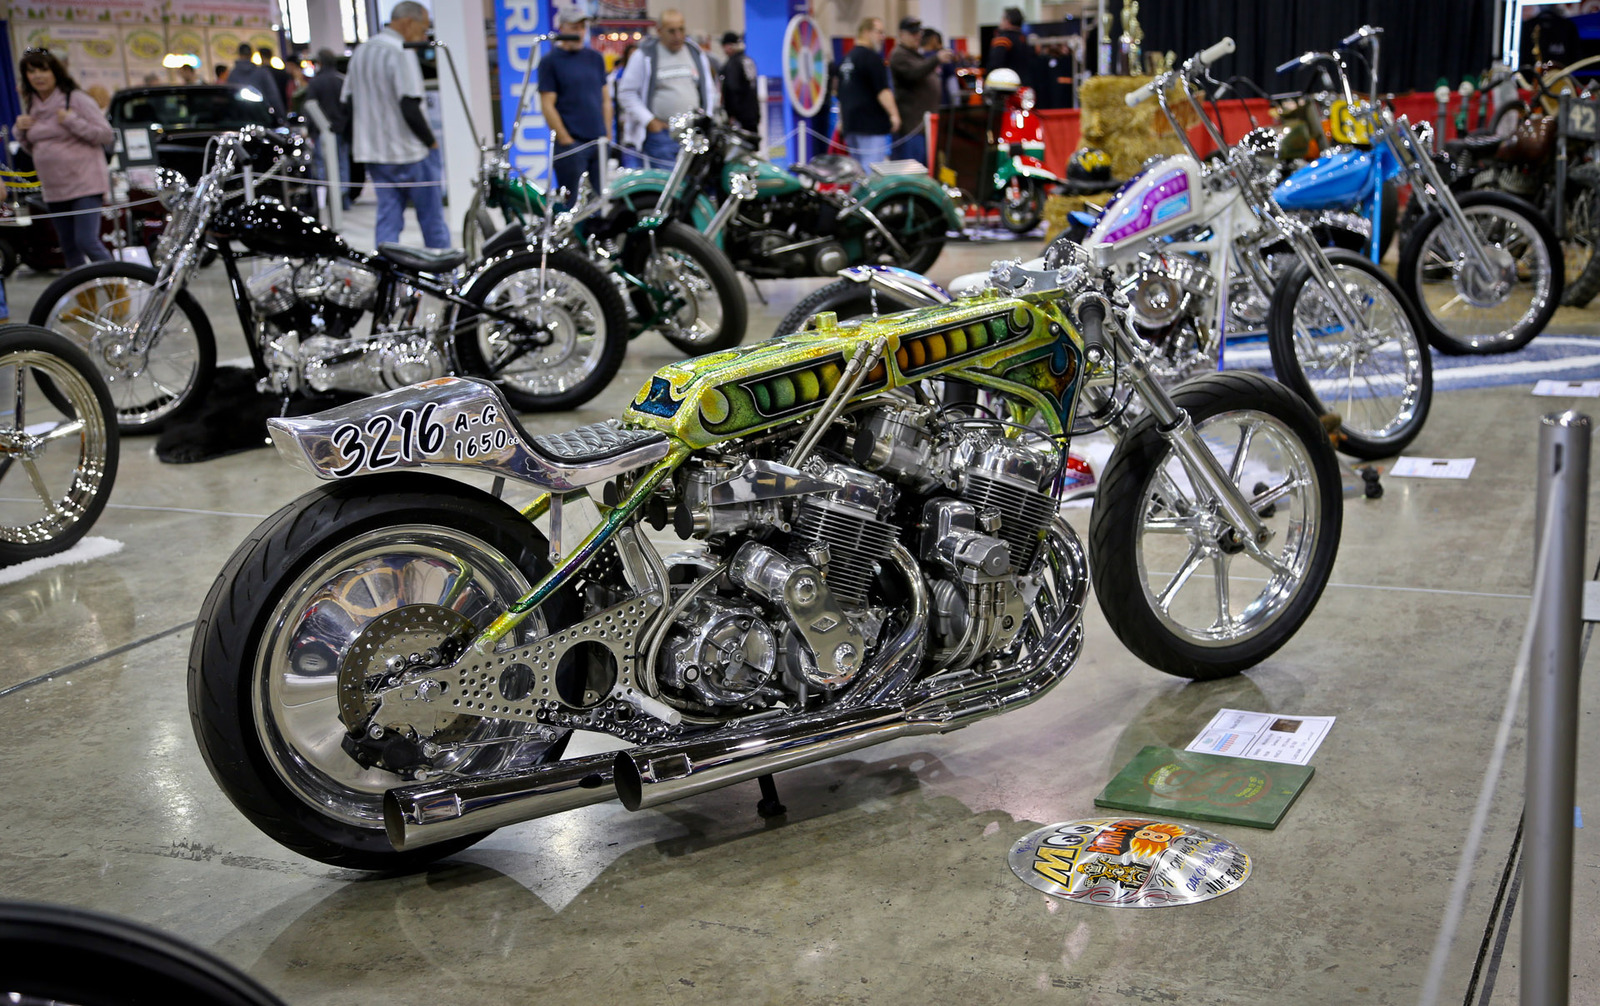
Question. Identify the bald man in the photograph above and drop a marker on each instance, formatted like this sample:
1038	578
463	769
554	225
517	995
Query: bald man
666	75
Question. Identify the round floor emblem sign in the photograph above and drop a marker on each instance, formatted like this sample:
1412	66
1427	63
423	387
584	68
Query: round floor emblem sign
1129	862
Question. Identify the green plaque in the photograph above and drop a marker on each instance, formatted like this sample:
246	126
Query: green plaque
1206	787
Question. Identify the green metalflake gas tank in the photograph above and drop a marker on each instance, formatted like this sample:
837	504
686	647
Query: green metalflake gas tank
708	399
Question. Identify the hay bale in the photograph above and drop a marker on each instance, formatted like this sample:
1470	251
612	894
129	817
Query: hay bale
1130	136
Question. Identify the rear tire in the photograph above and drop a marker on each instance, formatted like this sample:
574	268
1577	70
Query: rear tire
845	298
1022	206
289	605
586	323
1143	572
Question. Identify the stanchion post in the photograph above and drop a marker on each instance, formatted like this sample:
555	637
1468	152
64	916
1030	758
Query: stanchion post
1553	708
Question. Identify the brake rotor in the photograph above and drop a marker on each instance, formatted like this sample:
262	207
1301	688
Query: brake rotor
416	633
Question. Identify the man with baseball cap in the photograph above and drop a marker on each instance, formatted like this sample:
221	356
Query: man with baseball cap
576	99
739	84
916	89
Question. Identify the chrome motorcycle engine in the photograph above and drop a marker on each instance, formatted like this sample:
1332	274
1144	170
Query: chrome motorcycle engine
309	308
1167	288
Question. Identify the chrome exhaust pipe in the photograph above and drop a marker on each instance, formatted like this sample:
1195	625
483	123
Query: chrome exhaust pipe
427	813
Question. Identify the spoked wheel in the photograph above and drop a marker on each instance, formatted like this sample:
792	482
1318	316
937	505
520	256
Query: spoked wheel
98	306
1462	309
693	287
566	341
1182	588
917	223
60	954
1022	206
307	615
1378	379
57	462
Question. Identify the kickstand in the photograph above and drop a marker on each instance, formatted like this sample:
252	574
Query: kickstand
759	295
769	807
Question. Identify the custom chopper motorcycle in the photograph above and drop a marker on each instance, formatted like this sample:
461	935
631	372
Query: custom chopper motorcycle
393	665
812	220
546	326
1484	269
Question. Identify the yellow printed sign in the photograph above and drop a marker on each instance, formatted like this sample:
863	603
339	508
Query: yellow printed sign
1345	127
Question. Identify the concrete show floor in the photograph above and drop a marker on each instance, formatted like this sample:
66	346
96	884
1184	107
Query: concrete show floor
887	881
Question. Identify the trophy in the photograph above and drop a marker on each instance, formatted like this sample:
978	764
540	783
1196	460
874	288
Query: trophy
1132	37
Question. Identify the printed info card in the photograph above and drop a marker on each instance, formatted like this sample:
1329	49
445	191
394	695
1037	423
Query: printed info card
1263	736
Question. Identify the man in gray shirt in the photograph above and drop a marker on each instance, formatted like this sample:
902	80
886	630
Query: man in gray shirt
666	75
389	130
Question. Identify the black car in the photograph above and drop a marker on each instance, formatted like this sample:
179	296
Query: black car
184	117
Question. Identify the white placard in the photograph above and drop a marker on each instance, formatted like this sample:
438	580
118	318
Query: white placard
1432	468
136	146
1568	389
1239	733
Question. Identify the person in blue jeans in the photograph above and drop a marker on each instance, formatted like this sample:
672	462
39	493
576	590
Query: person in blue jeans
868	117
576	100
389	130
666	75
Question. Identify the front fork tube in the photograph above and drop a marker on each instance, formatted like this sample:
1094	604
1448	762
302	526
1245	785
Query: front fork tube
159	307
1177	429
1458	237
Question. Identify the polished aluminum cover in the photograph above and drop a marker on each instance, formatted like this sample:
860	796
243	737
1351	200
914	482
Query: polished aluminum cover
1129	862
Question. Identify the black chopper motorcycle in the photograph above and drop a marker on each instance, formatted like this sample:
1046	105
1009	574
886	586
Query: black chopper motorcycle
545	325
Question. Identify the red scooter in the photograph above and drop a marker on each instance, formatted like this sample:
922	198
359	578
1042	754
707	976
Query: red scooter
1020	181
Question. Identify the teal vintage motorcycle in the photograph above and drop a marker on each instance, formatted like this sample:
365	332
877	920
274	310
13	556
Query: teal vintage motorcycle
810	220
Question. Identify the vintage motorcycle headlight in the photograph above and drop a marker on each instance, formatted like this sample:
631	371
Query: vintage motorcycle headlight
171	187
1025	98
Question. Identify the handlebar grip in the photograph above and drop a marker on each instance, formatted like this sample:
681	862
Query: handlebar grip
1361	33
1216	52
1139	94
1286	67
1091	326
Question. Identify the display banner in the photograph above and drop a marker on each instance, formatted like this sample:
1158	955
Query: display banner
517	24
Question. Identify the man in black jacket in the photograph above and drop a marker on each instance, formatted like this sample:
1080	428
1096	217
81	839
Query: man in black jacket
739	84
1009	48
916	89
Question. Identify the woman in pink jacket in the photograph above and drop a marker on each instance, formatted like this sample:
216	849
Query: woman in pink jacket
67	133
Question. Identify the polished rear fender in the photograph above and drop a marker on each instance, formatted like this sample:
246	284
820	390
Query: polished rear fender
457	422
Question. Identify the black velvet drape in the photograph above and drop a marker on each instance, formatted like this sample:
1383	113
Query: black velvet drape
1423	39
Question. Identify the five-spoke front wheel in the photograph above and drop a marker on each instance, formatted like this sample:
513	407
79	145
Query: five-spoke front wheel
1184	588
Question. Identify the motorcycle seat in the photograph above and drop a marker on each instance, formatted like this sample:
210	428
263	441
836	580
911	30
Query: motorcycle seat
422	259
830	169
1480	141
595	443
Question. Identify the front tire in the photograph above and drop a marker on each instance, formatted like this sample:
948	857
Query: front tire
56	481
1022	206
96	307
266	674
1379	380
1460	313
581	322
685	266
1152	532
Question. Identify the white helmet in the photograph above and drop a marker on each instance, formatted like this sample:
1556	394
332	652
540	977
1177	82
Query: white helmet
1003	80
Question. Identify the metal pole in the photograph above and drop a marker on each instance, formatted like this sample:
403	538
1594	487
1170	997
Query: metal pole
1553	709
